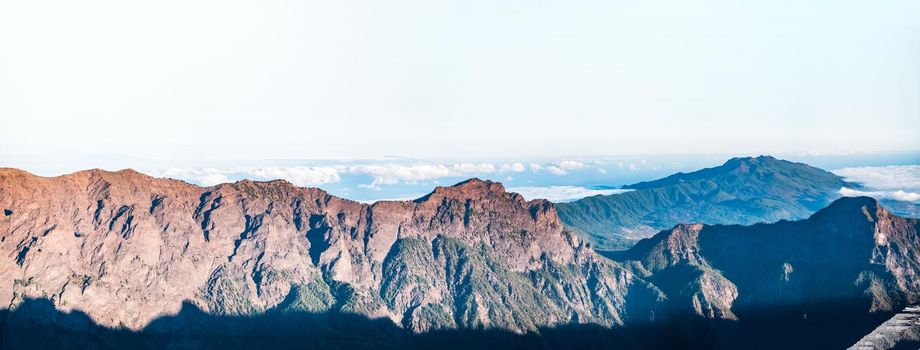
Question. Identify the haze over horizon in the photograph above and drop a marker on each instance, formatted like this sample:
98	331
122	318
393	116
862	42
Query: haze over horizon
883	175
456	79
380	101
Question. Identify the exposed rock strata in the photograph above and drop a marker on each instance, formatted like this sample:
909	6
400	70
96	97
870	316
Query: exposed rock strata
902	330
126	248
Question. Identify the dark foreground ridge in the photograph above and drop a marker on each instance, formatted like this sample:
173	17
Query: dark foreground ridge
36	324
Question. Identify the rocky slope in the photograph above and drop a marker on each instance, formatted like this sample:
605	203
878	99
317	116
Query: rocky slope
901	331
126	248
171	263
741	191
854	250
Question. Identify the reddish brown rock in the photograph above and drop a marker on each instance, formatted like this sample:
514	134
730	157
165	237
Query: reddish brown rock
125	248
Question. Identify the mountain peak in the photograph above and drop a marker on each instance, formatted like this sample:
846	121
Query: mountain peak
744	165
751	160
276	183
743	190
760	158
13	172
468	189
477	183
854	202
848	206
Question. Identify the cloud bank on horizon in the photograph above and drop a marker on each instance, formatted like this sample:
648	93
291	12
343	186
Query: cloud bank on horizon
381	174
562	193
555	180
303	79
372	180
897	182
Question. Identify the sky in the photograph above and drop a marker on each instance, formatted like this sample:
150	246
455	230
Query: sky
227	85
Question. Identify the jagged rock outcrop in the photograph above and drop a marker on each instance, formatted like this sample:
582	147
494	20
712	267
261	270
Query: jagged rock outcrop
901	331
126	248
853	251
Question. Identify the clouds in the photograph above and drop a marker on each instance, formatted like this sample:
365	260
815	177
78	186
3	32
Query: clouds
370	180
380	174
563	167
299	175
899	182
204	176
561	193
555	170
640	165
898	195
906	177
391	174
512	168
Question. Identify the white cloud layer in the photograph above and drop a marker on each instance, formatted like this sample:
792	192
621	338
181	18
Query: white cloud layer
560	168
512	168
382	174
561	193
890	178
204	176
640	165
300	176
391	174
899	182
555	170
898	195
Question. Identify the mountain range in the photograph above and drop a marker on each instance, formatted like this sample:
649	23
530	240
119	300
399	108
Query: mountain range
126	248
100	259
741	191
854	250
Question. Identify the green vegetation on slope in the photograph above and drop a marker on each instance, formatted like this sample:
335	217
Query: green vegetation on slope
741	191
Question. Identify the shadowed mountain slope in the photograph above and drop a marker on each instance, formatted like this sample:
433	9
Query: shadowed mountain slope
852	250
901	331
37	324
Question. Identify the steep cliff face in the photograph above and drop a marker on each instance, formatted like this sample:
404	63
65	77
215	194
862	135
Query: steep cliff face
901	331
126	248
853	251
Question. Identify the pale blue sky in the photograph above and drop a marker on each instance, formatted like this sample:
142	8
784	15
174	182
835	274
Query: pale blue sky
196	80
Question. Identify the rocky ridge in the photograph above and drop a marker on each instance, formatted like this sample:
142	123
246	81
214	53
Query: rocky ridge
852	250
126	248
902	330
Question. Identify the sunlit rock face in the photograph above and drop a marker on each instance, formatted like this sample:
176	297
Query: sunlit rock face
126	248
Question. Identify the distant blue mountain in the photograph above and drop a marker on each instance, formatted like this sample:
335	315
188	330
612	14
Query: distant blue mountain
741	191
